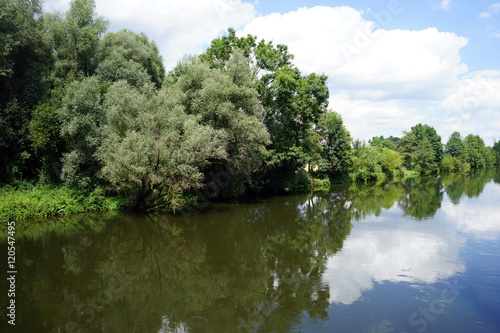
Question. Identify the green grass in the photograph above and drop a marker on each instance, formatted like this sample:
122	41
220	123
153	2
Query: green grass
26	200
321	184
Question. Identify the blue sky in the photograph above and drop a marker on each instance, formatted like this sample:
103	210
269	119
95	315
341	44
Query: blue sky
461	17
391	64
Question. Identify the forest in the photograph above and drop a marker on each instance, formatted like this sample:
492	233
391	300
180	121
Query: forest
90	120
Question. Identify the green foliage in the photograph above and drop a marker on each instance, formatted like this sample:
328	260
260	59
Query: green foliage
25	64
406	146
293	103
450	164
496	150
455	146
125	55
263	56
374	161
474	150
152	148
420	154
389	144
366	163
26	200
226	101
489	157
423	132
81	116
45	134
293	106
424	157
393	160
377	142
75	37
321	184
336	143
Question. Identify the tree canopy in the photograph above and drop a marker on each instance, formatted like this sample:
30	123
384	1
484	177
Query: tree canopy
97	111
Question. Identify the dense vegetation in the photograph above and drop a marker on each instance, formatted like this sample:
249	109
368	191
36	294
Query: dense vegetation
93	113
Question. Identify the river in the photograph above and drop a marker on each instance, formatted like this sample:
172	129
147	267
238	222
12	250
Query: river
421	255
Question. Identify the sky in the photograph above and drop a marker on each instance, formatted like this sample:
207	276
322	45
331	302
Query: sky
391	64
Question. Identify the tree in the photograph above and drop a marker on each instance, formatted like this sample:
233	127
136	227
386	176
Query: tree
450	163
45	134
152	148
366	163
81	117
225	100
130	56
473	146
377	142
489	156
423	132
424	157
75	38
407	146
293	104
496	150
392	159
25	64
261	55
336	141
455	146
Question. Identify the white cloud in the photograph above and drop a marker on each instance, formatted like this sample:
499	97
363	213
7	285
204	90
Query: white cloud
495	35
495	8
492	9
481	223
383	63
366	118
391	252
475	91
475	97
178	27
485	15
374	74
445	4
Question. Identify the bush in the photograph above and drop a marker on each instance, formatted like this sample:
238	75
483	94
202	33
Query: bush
321	184
450	164
26	200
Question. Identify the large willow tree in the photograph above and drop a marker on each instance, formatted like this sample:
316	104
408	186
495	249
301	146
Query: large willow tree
151	148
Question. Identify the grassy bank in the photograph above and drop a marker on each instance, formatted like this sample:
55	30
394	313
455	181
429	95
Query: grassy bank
26	200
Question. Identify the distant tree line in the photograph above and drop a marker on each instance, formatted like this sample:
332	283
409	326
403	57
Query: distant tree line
94	109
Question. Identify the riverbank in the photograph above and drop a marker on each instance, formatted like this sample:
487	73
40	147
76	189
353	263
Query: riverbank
24	200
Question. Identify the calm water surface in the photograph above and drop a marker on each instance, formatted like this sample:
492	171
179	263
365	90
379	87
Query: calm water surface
418	256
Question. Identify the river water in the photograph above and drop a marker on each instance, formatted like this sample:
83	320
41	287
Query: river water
421	255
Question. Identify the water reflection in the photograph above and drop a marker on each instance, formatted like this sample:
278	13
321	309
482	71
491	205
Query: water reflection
261	266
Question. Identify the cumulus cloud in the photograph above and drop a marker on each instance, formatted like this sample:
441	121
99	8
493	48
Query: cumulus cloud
374	74
366	118
348	48
474	98
178	27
